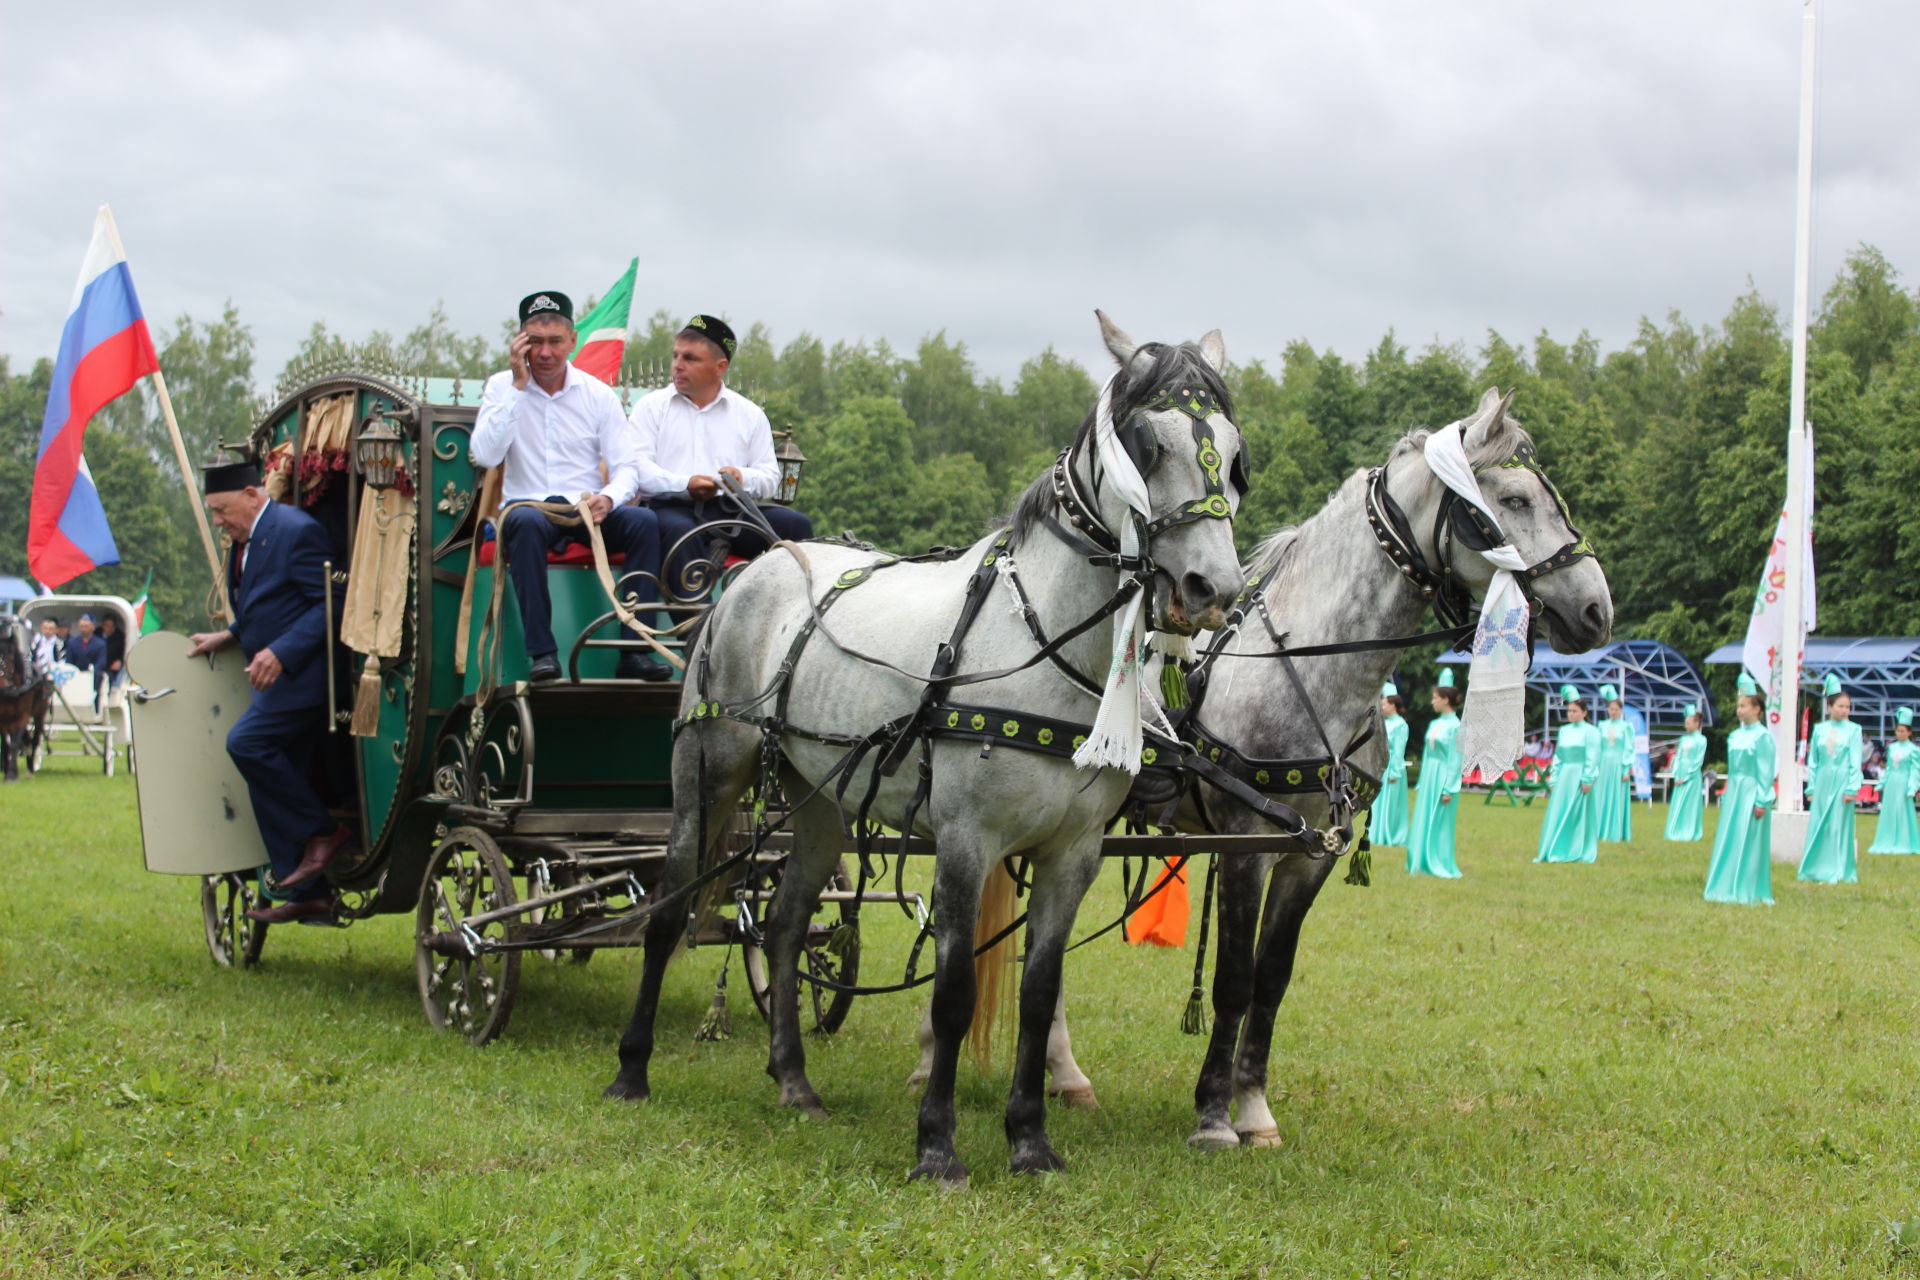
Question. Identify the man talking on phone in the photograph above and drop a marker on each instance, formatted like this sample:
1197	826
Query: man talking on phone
555	428
698	430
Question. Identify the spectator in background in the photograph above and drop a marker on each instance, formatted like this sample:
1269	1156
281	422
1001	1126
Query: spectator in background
88	652
116	642
47	648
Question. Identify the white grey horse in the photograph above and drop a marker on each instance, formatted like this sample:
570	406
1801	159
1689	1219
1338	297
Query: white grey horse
1329	581
983	803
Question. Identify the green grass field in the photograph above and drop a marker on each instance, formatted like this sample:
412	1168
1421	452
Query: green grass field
1535	1071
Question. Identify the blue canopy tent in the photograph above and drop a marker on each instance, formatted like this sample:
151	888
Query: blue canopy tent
1880	673
14	592
1656	678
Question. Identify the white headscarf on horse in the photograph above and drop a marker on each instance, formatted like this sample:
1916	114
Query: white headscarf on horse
1492	729
1117	736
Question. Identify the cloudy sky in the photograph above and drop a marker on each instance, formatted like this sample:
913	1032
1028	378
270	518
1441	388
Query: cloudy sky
992	168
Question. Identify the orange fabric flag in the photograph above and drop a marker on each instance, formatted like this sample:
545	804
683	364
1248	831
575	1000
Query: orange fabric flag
1162	918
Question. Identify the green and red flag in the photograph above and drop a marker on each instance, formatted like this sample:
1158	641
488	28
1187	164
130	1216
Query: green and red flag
146	618
603	330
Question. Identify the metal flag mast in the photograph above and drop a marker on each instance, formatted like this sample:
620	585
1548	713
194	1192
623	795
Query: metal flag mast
1789	836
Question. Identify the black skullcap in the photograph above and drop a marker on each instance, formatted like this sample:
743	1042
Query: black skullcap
714	330
548	302
229	477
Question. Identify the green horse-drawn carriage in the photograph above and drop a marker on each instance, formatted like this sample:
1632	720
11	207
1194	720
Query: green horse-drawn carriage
489	807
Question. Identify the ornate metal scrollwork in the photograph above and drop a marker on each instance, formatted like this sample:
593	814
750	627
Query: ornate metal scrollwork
454	500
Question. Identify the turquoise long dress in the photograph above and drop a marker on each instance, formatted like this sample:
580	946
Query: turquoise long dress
1430	838
1834	756
1686	803
1388	825
1897	832
1612	794
1742	866
1570	833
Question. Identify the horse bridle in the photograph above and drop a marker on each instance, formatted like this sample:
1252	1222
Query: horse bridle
1457	518
1137	438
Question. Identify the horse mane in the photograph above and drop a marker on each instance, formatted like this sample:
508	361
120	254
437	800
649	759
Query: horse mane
1171	362
1496	448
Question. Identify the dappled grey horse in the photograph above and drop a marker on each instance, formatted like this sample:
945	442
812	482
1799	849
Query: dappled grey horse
1338	578
818	663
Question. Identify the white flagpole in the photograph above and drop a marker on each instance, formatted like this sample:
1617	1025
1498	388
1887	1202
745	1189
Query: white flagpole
1793	597
180	455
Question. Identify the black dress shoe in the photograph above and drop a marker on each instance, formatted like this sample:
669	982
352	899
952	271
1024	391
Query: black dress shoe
634	665
544	670
288	912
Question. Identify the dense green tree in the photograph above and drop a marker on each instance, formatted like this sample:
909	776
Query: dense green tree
1866	314
862	477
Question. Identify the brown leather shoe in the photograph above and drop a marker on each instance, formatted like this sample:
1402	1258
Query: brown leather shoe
287	912
319	852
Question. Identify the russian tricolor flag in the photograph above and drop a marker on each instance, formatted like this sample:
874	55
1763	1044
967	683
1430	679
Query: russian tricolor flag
104	349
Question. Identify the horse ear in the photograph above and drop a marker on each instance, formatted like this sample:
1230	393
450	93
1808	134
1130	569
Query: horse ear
1213	348
1489	420
1124	349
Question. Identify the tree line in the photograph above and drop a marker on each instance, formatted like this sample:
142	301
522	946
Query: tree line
1669	449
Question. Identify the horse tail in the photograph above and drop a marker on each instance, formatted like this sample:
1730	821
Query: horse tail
993	975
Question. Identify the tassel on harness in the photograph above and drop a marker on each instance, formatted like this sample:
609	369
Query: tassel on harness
1193	1021
717	1025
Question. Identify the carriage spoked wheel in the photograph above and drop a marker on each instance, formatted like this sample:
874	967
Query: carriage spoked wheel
232	940
471	994
831	951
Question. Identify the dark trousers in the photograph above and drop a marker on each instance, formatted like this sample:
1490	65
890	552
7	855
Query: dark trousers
528	535
679	517
273	749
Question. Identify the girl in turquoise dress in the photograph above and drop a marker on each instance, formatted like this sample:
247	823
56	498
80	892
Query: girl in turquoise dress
1613	792
1569	833
1896	831
1685	803
1430	838
1834	757
1388	825
1742	866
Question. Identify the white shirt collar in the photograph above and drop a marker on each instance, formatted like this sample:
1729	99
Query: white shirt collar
725	391
568	381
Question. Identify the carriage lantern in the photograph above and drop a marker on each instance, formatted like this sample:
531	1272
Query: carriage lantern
791	460
377	452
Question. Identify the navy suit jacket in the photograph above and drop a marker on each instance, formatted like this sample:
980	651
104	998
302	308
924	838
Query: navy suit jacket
279	603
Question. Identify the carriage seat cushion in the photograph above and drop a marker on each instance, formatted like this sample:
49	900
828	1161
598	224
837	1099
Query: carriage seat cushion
577	554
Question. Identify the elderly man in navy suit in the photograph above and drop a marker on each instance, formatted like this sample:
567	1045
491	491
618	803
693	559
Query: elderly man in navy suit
276	577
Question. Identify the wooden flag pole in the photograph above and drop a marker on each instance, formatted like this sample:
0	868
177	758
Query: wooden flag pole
180	454
199	511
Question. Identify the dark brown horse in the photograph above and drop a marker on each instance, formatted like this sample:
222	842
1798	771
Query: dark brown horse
25	698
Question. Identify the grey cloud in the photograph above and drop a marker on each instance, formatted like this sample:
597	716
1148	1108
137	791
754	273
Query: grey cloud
995	170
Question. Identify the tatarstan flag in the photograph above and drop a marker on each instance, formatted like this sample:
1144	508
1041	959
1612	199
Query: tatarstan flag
603	330
146	618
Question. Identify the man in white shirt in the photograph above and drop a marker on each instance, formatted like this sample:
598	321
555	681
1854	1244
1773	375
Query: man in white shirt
691	434
47	648
555	427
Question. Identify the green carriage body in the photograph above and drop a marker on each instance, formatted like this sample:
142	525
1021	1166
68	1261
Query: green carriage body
588	748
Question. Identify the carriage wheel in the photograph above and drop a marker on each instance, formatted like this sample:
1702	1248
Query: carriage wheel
470	994
823	955
232	940
558	876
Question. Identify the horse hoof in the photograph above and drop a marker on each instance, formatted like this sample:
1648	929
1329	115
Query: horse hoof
627	1091
946	1171
1260	1138
807	1104
1080	1098
1220	1139
1034	1163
